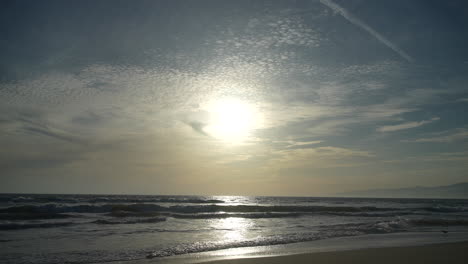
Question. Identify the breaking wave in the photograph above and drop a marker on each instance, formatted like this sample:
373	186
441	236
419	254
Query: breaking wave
261	241
15	226
137	221
340	230
55	211
71	199
143	207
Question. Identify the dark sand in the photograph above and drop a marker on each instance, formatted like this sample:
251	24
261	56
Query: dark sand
428	254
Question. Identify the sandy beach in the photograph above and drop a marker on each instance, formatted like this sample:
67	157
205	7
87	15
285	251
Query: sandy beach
437	253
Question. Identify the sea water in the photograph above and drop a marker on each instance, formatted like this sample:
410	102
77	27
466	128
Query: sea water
103	228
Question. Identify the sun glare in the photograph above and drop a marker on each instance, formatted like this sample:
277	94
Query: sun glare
231	120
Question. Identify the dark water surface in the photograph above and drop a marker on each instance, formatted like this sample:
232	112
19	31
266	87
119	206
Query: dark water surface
100	228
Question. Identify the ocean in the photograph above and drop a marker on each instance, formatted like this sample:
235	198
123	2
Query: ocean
108	228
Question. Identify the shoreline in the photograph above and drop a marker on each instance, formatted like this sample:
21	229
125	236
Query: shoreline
433	253
321	251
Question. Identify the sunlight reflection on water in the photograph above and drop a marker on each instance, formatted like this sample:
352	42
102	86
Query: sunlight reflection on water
235	229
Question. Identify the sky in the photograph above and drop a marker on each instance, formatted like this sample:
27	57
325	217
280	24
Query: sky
298	98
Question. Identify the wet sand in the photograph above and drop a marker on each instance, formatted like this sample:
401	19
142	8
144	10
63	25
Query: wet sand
427	254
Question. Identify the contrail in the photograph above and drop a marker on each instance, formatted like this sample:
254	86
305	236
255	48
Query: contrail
356	21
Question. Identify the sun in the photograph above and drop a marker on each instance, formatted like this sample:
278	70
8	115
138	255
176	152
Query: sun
231	119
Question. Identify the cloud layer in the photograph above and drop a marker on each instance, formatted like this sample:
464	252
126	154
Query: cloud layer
123	101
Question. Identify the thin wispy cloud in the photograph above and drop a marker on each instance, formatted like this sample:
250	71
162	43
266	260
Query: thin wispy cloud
50	133
358	22
302	144
407	125
445	137
319	157
460	156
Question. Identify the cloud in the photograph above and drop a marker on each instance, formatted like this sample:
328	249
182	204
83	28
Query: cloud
295	144
27	122
50	133
447	156
87	119
445	137
356	21
407	125
303	144
266	32
198	127
434	157
319	157
25	160
332	151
